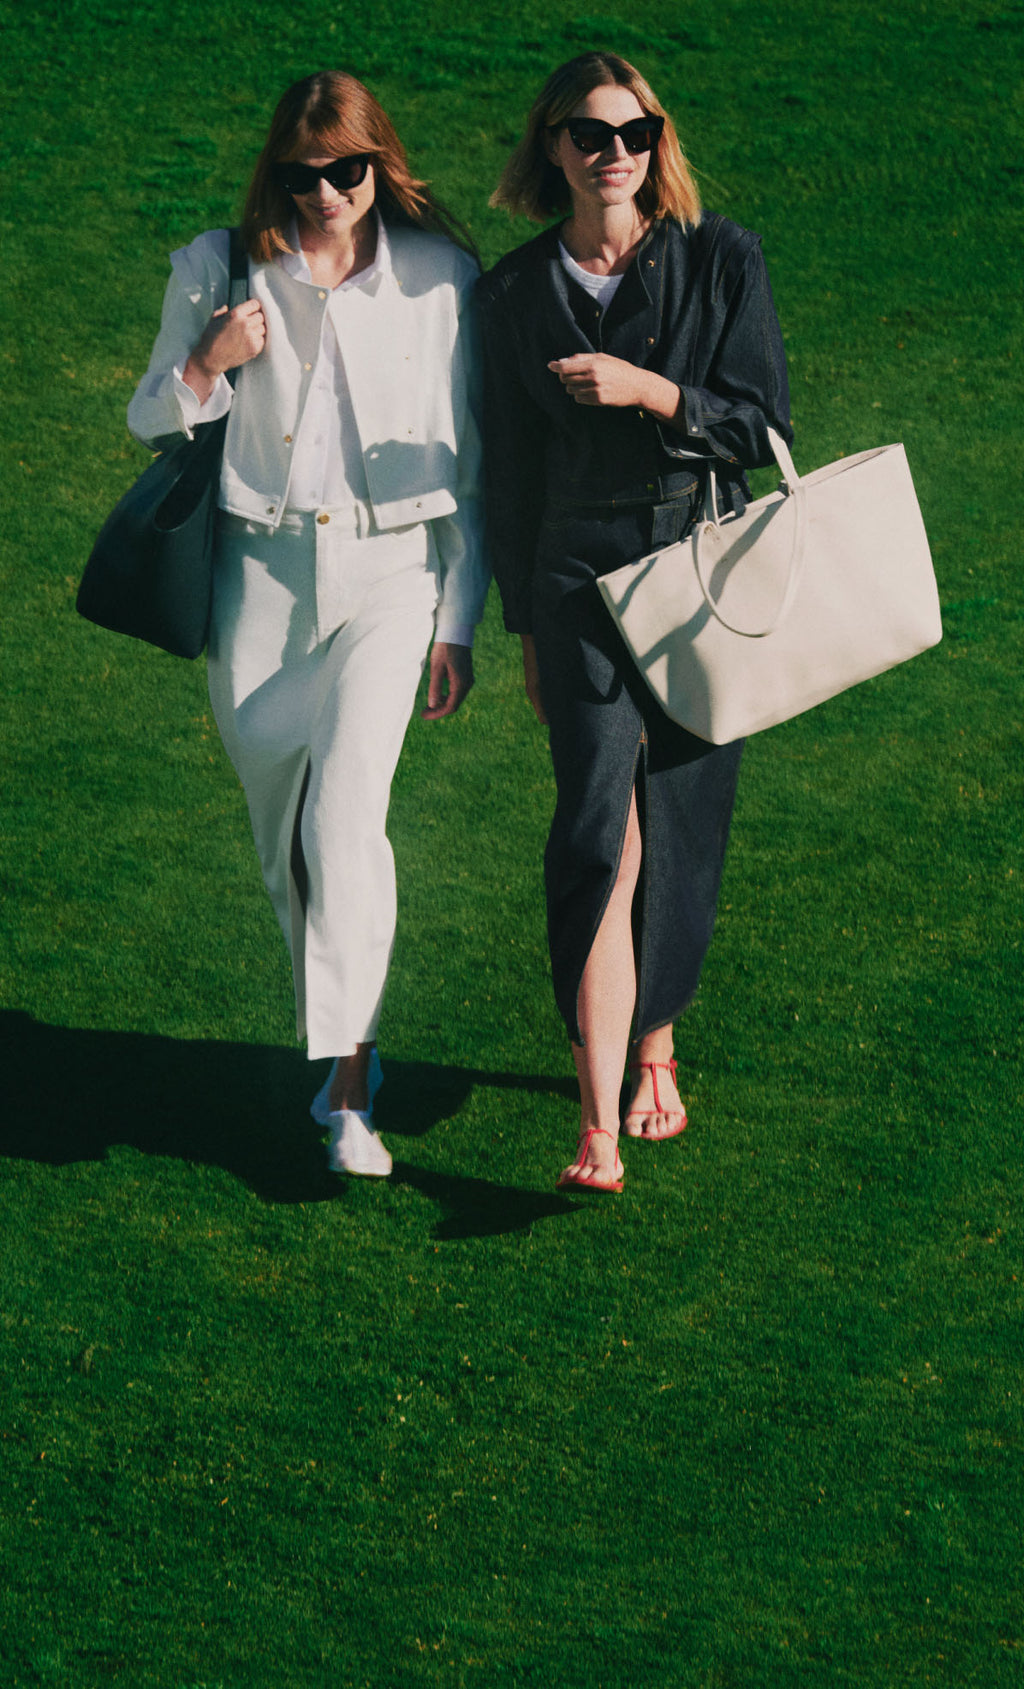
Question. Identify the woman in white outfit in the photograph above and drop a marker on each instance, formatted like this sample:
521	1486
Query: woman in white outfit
349	533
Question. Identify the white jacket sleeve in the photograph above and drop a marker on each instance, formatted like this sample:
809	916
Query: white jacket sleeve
464	575
162	404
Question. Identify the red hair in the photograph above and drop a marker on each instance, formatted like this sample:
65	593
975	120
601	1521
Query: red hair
332	115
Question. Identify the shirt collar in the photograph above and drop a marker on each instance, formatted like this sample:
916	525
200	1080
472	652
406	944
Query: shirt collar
295	264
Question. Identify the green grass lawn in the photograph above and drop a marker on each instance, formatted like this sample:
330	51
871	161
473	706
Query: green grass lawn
756	1423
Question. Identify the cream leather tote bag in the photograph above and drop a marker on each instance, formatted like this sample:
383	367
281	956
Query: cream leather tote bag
755	618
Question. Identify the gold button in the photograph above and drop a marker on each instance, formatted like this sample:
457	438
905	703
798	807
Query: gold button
322	519
650	340
307	366
321	295
287	439
650	263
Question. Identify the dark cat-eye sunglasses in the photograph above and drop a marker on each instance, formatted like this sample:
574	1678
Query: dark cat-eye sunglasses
590	135
342	173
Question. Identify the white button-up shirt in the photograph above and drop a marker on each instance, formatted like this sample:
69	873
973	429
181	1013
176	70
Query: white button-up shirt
327	467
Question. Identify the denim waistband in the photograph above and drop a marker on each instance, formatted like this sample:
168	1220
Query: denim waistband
658	489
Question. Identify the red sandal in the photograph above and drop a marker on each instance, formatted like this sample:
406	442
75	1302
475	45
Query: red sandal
572	1181
631	1113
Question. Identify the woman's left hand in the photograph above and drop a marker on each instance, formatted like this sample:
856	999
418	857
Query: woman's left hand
595	378
451	676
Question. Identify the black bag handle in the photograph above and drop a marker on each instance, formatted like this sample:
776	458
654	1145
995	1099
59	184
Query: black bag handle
238	278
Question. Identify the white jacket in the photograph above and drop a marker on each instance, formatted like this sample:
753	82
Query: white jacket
412	375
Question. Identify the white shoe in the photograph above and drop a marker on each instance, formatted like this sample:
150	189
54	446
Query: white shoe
320	1107
353	1145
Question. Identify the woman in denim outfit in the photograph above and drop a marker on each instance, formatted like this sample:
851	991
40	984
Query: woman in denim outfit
625	348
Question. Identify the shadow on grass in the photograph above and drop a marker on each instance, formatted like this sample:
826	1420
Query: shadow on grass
478	1207
71	1094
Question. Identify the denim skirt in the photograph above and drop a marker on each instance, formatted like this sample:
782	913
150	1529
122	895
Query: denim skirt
609	735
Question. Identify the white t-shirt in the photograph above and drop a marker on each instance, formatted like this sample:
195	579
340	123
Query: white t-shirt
601	288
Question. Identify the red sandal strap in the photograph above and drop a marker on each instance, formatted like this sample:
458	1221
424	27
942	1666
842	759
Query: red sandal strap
583	1141
652	1066
583	1144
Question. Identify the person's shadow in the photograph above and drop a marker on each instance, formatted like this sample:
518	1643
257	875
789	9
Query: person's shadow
69	1094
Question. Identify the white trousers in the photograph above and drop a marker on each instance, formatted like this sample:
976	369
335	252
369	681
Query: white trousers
317	643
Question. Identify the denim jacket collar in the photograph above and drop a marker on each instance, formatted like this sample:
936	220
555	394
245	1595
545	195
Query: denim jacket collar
574	312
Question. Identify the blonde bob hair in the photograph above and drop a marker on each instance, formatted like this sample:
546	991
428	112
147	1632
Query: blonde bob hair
531	186
332	115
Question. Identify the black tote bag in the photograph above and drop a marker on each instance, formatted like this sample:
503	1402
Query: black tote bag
150	572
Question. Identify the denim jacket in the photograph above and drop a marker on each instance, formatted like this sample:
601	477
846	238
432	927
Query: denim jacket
695	306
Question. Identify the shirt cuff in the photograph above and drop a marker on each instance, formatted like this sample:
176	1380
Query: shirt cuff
218	404
449	632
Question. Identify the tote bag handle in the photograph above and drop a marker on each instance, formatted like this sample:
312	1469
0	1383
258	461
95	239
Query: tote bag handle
796	496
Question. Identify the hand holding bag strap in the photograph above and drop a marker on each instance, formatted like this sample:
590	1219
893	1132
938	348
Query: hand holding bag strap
795	495
150	571
196	475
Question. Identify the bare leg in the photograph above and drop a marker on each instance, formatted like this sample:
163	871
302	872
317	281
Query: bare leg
655	1110
607	998
348	1087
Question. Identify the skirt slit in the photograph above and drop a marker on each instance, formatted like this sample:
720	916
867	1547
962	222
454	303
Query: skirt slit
609	738
612	877
299	869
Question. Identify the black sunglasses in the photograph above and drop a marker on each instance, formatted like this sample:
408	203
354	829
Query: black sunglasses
342	173
591	135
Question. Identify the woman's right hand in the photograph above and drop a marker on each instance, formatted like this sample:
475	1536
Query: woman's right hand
230	338
531	675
